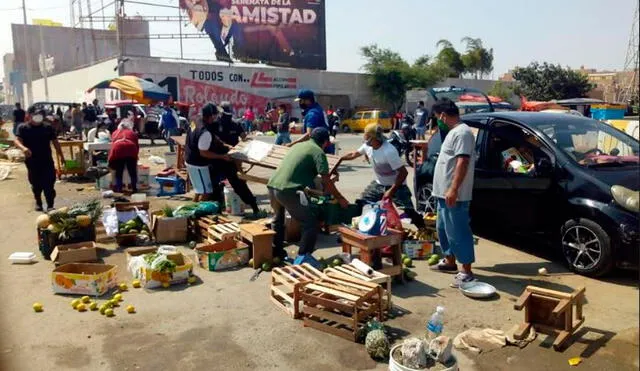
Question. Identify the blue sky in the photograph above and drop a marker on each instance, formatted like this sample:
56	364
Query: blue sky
593	33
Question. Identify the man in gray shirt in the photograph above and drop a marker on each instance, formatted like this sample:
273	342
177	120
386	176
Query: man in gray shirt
453	186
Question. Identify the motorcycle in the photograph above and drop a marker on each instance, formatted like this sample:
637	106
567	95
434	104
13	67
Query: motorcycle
401	140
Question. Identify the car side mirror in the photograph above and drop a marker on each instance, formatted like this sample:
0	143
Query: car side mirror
544	167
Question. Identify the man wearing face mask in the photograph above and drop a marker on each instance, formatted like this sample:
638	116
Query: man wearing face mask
314	117
200	150
34	138
453	186
390	172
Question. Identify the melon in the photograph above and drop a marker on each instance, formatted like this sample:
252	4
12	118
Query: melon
83	220
43	221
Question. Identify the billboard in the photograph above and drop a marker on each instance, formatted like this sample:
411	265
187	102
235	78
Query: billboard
287	33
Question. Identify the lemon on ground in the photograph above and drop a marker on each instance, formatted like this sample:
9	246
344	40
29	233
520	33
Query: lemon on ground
103	308
38	307
86	299
166	285
117	297
192	279
81	308
123	287
93	306
114	303
131	309
75	303
136	284
108	312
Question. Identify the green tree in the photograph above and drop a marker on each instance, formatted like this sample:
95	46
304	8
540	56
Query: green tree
502	90
544	82
448	60
390	76
477	60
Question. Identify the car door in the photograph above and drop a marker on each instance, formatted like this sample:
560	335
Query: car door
367	118
354	122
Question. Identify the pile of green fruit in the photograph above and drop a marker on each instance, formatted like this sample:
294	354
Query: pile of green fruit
407	264
433	259
134	226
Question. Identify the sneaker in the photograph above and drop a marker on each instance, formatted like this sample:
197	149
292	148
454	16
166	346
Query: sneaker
443	266
50	209
461	278
38	208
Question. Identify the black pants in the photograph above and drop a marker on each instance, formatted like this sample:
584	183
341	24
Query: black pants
131	164
42	177
229	171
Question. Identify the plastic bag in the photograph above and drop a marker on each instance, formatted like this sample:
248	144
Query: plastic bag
207	208
110	221
393	218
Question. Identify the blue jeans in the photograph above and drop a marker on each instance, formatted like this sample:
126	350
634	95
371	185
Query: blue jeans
421	131
283	138
168	133
454	231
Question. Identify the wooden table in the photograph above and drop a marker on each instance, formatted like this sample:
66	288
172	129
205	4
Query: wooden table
271	161
370	247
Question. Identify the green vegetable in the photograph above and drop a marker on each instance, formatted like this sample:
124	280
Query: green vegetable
167	211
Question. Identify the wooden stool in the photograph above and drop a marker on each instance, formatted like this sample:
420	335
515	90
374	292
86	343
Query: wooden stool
550	312
370	247
261	239
377	277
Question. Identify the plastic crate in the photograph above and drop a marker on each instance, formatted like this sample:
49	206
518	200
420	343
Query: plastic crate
329	211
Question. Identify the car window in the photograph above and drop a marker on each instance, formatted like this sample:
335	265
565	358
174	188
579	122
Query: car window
513	150
367	115
384	115
357	116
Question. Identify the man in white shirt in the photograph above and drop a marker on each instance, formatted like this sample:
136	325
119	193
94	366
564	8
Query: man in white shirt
390	172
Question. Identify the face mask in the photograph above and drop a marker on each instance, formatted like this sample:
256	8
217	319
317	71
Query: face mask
303	106
442	126
38	119
368	142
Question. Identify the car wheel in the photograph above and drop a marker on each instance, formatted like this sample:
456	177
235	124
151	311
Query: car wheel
346	129
587	247
427	203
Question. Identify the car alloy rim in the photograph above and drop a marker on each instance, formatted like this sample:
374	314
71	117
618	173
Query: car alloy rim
427	202
582	247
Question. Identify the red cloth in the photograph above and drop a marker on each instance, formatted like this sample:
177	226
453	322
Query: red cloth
249	115
124	144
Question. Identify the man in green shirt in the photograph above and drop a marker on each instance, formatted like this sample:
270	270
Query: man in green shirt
286	187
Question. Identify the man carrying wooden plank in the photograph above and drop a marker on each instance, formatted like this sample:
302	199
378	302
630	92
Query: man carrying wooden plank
297	171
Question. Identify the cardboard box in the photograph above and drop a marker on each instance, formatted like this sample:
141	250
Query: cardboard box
75	253
418	249
223	255
151	279
84	279
169	229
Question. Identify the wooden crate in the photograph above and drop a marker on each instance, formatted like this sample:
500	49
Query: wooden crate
223	231
203	224
377	277
340	305
285	286
261	240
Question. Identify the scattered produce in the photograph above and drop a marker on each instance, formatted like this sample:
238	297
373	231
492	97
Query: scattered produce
266	266
67	222
123	287
404	256
136	284
377	344
166	285
133	226
336	262
164	265
408	262
38	307
131	309
81	308
193	244
192	279
75	303
117	297
85	299
109	312
433	259
93	306
43	221
250	263
103	308
167	211
114	303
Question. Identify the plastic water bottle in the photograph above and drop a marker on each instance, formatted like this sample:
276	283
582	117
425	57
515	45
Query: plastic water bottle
435	324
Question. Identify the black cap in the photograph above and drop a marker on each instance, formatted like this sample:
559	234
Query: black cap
320	135
227	109
210	110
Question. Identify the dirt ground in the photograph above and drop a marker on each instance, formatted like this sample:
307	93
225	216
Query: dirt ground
227	322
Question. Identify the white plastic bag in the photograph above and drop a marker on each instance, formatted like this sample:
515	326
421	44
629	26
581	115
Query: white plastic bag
110	221
136	264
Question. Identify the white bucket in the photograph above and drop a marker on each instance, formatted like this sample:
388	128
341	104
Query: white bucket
232	202
397	366
171	159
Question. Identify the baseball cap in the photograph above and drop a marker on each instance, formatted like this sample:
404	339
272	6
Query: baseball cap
227	109
320	135
305	94
210	110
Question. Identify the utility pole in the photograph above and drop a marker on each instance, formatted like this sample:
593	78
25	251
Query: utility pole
43	66
27	56
73	14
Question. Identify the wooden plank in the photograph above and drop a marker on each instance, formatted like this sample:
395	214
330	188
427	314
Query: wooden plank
326	328
395	270
252	178
325	302
282	294
337	285
547	292
326	314
522	331
522	300
561	307
283	307
563	336
352	280
331	291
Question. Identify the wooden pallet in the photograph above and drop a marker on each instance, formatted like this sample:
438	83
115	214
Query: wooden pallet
203	224
285	286
340	305
224	231
377	277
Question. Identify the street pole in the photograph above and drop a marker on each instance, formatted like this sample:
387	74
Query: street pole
27	56
73	14
43	66
180	25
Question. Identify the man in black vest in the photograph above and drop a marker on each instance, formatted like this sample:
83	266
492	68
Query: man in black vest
201	150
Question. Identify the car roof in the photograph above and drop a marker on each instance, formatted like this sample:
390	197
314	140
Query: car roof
530	118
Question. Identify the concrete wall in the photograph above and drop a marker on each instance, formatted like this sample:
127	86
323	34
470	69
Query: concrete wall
72	86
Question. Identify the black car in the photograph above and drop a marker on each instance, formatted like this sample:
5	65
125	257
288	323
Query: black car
572	178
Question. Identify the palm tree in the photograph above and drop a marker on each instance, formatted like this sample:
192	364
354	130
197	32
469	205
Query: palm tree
477	60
